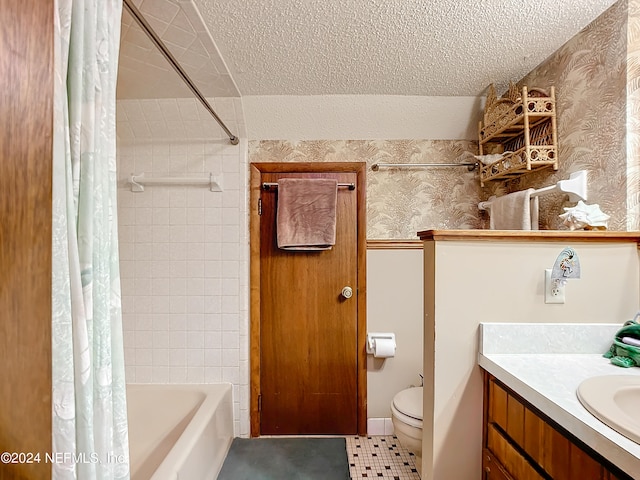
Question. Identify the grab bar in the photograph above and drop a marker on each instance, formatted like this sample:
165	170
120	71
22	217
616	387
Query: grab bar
139	181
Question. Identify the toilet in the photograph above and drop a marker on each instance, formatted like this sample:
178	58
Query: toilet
406	415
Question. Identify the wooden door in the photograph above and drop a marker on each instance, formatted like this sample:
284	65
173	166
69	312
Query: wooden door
311	342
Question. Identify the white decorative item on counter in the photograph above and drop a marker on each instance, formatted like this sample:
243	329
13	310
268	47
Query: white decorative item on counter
582	216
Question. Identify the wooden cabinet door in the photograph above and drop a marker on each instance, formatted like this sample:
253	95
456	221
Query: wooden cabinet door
522	442
491	468
511	460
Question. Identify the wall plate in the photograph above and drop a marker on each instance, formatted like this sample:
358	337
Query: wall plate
553	292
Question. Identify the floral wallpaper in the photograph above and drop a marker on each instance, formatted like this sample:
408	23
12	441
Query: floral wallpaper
596	76
633	115
590	80
400	201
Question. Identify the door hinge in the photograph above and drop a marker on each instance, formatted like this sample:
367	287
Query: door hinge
260	402
259	206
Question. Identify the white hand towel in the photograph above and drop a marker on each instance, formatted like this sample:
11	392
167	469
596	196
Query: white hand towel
535	217
514	211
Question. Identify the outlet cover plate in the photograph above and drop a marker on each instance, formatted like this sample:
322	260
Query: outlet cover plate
552	294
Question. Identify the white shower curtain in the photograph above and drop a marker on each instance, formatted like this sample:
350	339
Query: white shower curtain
89	396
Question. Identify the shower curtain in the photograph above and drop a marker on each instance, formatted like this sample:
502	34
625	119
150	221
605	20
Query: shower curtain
89	397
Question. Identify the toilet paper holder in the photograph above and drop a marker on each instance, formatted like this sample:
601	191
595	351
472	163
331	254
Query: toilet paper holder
372	337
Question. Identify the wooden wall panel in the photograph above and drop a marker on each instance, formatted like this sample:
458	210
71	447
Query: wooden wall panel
498	408
534	435
26	105
515	420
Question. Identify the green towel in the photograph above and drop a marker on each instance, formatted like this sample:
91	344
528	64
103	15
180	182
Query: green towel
622	354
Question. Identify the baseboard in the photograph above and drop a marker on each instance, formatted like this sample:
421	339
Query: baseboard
379	426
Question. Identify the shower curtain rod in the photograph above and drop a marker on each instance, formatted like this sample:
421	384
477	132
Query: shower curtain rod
470	166
137	16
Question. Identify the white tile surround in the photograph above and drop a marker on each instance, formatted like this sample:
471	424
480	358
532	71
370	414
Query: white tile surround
143	72
184	250
551	363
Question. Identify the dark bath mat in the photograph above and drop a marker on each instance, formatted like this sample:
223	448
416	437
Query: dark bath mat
286	459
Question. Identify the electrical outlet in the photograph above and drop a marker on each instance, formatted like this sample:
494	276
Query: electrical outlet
553	290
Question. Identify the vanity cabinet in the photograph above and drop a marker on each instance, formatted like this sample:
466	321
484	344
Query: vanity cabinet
522	127
521	443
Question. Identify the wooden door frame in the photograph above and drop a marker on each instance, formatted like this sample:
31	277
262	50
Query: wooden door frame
27	85
256	170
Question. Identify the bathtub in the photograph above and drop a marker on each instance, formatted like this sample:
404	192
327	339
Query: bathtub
178	432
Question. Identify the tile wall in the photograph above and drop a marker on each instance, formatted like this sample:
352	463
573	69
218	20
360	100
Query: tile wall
184	249
143	72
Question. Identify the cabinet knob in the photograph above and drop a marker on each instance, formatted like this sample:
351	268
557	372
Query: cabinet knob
487	469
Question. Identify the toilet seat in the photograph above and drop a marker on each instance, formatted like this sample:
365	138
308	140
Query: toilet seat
407	406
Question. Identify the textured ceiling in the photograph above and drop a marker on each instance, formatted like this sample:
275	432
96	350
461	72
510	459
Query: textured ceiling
388	47
346	47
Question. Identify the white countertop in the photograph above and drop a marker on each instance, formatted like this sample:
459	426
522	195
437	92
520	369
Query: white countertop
549	380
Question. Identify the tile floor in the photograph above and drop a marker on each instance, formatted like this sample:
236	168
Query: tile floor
380	457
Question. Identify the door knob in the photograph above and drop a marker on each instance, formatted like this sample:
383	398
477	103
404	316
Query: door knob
347	292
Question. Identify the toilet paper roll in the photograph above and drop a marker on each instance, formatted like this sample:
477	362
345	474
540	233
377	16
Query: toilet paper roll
384	348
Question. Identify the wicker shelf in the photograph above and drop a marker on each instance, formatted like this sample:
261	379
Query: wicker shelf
522	123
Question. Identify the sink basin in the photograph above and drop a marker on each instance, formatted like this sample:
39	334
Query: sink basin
615	401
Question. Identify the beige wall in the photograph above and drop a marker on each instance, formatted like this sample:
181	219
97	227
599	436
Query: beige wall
497	281
394	304
336	117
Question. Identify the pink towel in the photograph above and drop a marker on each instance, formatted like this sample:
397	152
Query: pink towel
306	217
515	211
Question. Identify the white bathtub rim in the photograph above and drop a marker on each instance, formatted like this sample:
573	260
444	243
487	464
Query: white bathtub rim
216	394
183	446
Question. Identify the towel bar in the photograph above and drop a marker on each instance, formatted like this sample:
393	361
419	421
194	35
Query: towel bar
575	186
138	182
470	166
269	185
